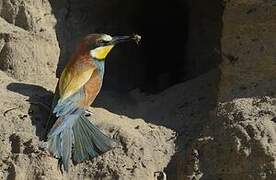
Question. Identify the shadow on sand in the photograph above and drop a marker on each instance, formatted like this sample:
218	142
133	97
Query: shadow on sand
40	101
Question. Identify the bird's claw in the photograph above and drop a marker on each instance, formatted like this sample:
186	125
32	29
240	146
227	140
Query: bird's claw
89	113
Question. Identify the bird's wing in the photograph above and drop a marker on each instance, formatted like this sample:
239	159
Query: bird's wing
72	79
71	85
69	91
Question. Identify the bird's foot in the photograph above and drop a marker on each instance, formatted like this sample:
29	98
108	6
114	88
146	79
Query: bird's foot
88	113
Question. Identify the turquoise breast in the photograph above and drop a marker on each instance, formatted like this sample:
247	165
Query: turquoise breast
100	67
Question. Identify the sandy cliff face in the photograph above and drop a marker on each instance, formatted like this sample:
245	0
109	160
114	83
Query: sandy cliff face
248	50
28	42
241	130
220	125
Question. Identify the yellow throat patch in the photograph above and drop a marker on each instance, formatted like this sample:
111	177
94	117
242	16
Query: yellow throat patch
101	52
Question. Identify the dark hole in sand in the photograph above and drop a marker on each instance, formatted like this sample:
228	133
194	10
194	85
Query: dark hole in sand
180	39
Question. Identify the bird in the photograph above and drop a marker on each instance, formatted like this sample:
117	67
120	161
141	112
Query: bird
69	132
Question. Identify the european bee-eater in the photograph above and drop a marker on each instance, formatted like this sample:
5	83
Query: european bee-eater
80	82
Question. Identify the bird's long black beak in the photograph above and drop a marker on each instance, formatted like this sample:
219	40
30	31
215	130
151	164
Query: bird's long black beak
120	39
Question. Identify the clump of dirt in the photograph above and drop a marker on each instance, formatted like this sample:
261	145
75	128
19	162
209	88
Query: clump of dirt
243	144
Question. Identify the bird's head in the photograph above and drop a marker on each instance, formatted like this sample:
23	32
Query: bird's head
100	45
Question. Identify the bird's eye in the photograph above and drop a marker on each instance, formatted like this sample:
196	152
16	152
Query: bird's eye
101	42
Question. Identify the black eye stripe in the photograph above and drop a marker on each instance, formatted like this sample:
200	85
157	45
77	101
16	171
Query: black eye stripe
99	43
102	42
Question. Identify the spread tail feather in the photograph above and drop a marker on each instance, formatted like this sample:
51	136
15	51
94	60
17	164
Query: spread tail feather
81	135
89	140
